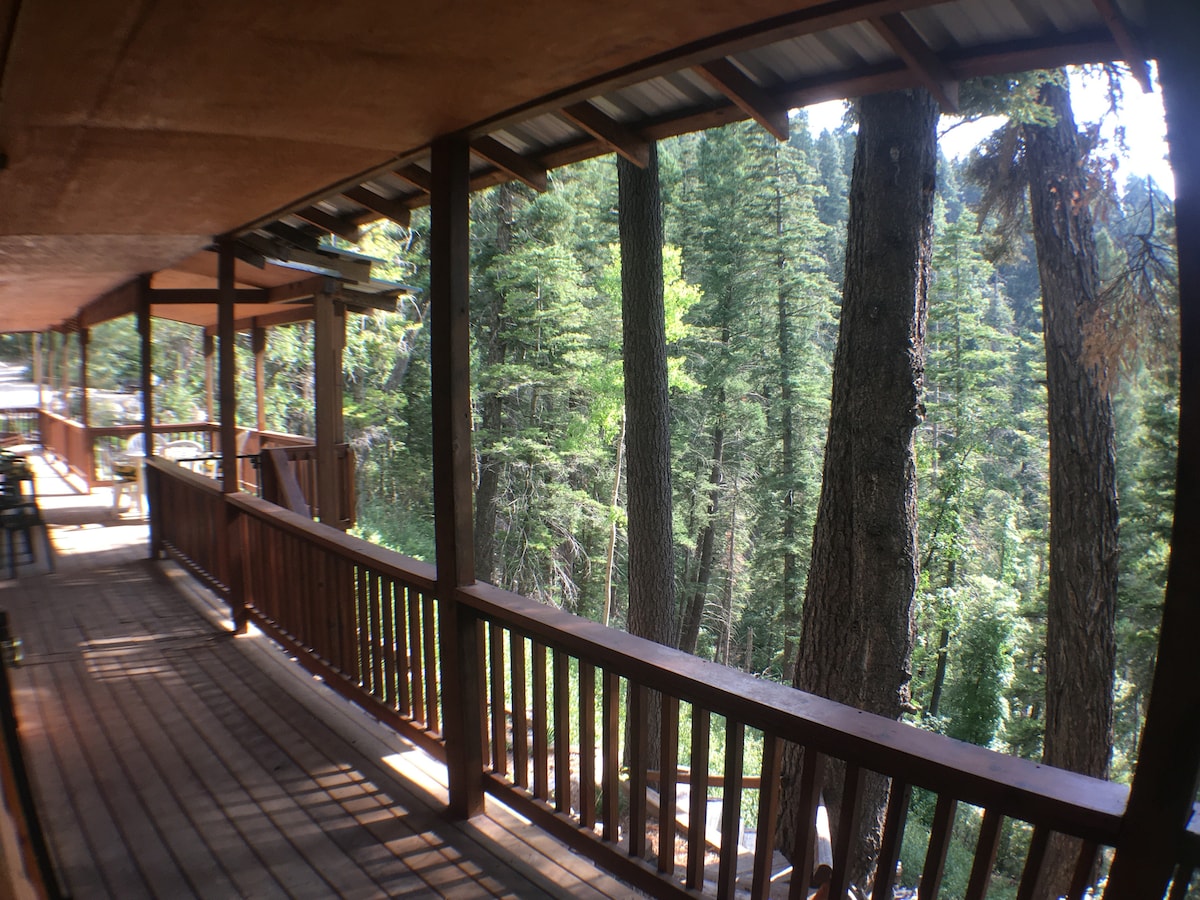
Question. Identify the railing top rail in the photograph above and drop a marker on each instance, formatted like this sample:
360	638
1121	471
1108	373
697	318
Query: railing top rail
403	568
22	410
1087	807
172	469
1077	804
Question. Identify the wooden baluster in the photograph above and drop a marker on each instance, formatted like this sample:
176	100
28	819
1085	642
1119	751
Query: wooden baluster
939	845
387	614
520	707
803	850
403	660
1033	862
985	855
541	738
610	734
481	689
639	752
416	656
893	834
768	817
731	808
562	732
362	605
847	832
668	766
587	744
378	688
347	624
698	796
430	645
499	712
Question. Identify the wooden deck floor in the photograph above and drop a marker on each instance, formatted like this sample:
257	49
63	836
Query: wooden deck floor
172	759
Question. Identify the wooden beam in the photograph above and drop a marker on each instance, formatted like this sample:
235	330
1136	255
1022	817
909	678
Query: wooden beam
146	359
184	296
390	209
1131	46
330	337
327	222
258	345
121	301
450	351
747	96
288	315
934	75
84	412
348	268
513	163
361	300
227	385
298	290
293	236
609	132
416	176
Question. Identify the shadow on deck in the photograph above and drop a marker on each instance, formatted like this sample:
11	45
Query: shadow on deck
172	759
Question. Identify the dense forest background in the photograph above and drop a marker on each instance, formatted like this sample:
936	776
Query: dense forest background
756	235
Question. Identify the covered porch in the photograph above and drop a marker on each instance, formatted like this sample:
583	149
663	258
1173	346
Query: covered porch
172	758
526	705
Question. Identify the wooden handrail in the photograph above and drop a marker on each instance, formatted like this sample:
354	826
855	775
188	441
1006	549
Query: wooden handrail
370	621
420	574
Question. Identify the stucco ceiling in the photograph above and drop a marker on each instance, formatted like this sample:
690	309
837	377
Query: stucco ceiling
134	132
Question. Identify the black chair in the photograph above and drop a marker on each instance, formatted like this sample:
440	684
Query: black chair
19	512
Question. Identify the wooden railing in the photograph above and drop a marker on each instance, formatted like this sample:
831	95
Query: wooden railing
547	697
87	451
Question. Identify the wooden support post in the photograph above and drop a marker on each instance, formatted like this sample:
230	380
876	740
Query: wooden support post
258	343
330	336
64	373
227	383
1164	783
37	367
451	382
210	377
89	456
146	348
84	338
227	399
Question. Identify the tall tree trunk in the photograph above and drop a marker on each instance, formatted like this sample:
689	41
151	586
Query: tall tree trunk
1081	603
647	429
857	626
651	612
492	409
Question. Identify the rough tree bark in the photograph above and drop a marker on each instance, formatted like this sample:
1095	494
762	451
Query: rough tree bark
1081	605
857	625
647	430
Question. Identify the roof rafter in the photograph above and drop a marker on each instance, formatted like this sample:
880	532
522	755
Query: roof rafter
1130	44
609	132
183	296
516	165
389	209
327	222
416	176
933	73
746	95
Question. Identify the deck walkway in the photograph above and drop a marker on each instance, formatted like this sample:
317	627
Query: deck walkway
172	759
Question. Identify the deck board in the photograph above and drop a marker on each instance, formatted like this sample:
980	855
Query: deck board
173	759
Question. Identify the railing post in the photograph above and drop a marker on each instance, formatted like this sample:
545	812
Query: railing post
462	709
153	488
227	393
